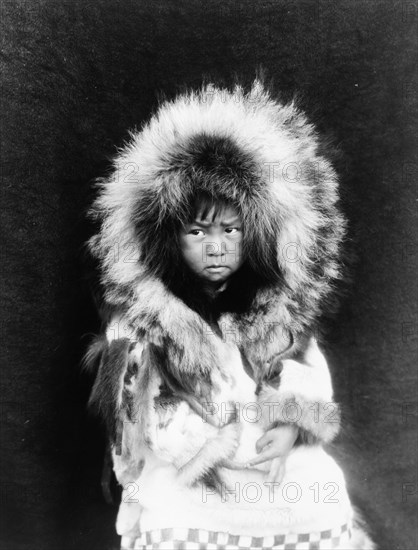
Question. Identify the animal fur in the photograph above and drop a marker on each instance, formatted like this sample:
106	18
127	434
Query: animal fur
265	159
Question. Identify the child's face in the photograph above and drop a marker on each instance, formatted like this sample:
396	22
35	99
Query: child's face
212	248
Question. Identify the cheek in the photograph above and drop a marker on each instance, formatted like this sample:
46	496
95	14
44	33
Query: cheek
237	247
191	252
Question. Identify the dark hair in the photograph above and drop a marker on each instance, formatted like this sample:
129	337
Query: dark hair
204	203
186	285
213	173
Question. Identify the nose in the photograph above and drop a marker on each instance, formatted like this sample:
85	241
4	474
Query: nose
215	246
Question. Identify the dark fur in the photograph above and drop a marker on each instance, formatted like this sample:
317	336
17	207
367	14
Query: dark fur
145	211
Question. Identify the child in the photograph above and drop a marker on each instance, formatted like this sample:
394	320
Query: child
219	245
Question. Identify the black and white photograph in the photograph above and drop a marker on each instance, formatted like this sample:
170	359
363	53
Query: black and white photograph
209	291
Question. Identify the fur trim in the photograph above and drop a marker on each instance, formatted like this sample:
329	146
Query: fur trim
265	159
168	426
321	419
93	356
314	410
106	397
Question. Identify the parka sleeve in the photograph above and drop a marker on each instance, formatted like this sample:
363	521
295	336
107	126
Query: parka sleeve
122	395
111	357
146	421
303	395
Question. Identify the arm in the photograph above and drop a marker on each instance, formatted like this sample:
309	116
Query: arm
302	396
298	406
116	358
144	418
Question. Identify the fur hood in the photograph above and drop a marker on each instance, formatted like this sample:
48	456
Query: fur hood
263	157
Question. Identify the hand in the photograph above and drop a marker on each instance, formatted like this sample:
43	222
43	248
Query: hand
275	445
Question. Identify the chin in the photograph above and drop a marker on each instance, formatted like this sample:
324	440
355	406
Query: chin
215	281
216	277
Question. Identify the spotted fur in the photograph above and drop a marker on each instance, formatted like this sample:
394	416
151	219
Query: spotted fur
264	158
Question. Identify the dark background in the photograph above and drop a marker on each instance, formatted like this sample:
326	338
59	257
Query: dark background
75	77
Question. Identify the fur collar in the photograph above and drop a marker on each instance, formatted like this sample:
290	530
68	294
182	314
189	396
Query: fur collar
262	156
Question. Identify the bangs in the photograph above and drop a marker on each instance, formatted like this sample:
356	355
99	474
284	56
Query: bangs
206	207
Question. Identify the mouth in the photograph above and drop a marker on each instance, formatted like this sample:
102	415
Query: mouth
215	268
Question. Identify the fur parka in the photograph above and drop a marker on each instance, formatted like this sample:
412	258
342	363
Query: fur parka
163	357
266	160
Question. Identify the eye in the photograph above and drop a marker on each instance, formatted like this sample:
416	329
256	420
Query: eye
231	230
196	232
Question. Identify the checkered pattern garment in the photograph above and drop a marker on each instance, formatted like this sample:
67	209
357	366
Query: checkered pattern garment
200	539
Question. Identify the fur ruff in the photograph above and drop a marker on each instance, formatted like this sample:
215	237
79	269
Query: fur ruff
265	159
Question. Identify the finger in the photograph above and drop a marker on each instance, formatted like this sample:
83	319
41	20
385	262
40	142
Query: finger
274	469
281	472
263	441
232	464
268	454
277	470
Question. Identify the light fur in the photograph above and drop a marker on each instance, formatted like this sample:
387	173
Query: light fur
285	188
